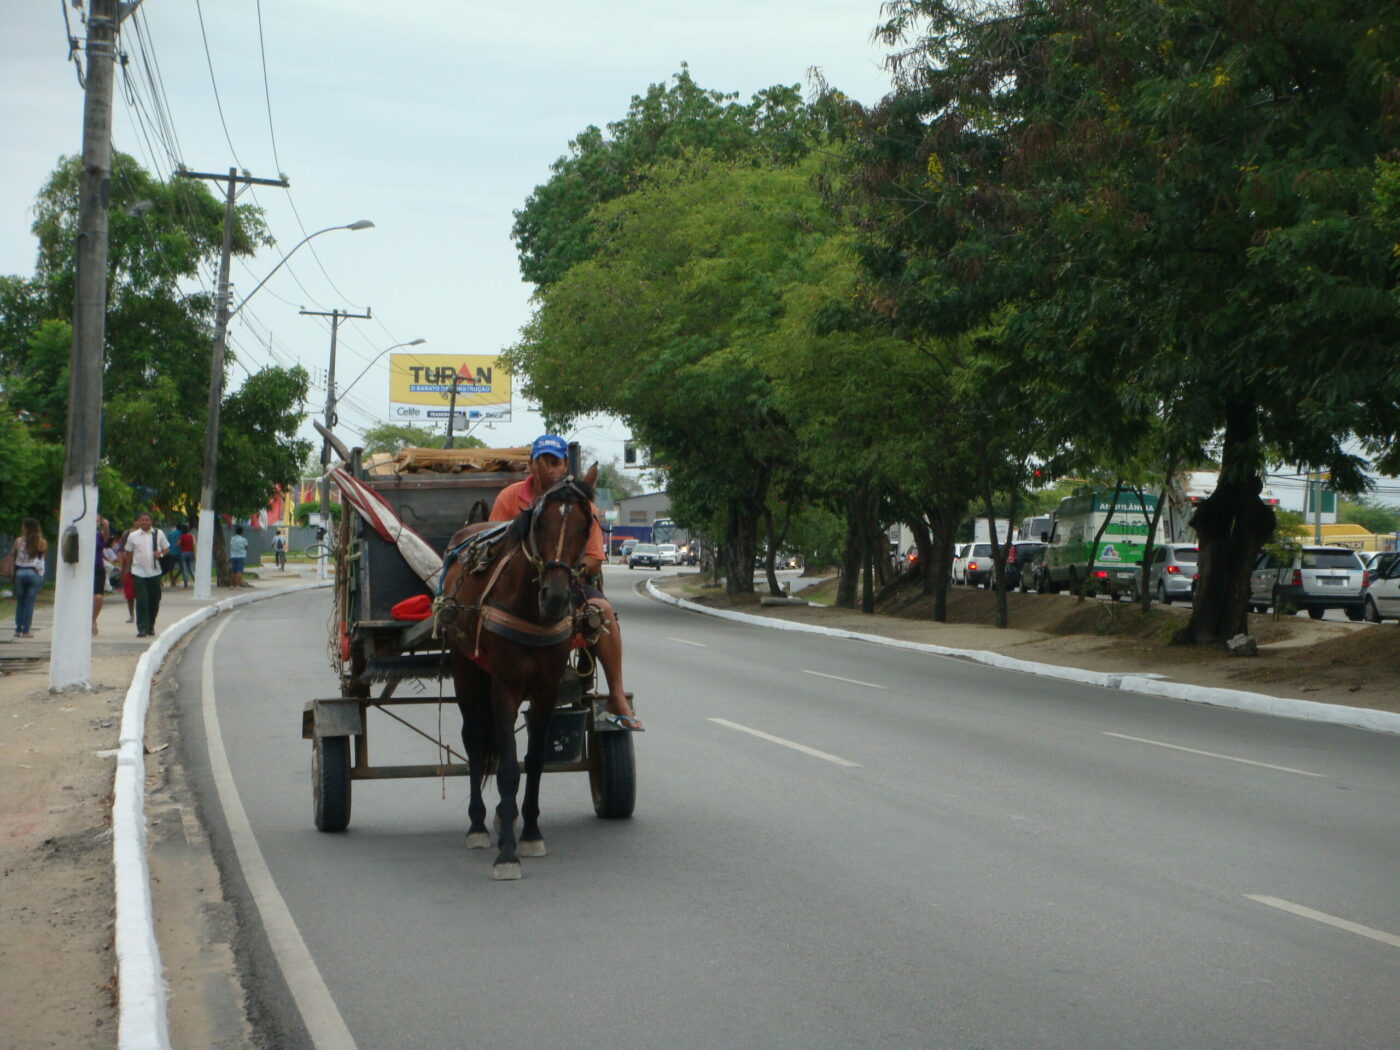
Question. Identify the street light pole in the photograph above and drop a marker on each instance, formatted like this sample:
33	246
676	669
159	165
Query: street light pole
396	346
335	316
204	535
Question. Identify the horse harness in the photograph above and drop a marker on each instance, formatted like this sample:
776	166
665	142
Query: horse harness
481	552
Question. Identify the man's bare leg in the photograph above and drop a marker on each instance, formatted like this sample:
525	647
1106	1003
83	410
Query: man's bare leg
609	650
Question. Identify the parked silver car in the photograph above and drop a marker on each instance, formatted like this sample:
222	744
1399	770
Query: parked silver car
1311	578
1172	574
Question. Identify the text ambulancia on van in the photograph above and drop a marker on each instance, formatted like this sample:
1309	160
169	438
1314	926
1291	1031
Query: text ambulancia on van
1118	558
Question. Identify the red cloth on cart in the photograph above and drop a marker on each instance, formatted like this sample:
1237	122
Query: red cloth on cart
419	607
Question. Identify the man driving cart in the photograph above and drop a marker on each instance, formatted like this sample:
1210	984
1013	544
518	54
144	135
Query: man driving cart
549	462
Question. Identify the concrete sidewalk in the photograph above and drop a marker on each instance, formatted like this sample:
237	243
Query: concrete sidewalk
116	637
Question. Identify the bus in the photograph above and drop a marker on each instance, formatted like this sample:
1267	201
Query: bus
1118	557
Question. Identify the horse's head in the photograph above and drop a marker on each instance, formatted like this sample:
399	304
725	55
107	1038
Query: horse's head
553	535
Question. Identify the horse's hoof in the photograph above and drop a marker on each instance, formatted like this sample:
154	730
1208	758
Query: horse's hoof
530	848
507	871
478	840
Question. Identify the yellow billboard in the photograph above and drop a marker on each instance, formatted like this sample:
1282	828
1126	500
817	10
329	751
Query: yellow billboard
421	388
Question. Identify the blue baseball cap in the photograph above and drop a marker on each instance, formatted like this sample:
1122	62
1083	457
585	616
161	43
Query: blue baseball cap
549	445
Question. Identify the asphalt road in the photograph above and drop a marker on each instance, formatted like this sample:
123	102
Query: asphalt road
836	845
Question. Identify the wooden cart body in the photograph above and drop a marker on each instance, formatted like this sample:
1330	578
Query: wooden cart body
376	651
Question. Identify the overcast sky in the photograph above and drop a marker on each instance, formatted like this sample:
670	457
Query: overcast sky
432	118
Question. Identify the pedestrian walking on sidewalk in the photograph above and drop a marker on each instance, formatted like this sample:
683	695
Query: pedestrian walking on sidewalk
28	549
184	550
141	558
237	555
99	571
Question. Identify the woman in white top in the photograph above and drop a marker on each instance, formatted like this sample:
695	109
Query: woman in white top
29	549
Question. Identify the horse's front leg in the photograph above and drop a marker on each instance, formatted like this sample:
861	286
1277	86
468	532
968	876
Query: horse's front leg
531	838
507	864
474	701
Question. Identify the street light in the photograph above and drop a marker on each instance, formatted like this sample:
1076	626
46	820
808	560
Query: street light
204	535
346	391
331	399
359	224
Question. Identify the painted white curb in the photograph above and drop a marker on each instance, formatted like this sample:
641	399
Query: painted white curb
1308	710
141	1018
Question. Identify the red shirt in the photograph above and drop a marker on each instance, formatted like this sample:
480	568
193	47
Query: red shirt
521	496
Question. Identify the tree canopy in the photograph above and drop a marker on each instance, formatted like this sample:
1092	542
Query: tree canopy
156	353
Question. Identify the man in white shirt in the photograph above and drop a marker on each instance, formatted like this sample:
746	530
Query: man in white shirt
141	557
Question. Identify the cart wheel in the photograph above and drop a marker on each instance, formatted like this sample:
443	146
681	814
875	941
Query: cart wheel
330	782
614	775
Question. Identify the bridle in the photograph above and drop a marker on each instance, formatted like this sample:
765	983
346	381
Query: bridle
531	550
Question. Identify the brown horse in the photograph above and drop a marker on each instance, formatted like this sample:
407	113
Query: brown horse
507	613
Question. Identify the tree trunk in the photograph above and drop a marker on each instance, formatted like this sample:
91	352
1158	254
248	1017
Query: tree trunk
1145	569
867	551
923	547
849	582
221	573
1094	549
998	578
943	523
740	542
1232	524
770	560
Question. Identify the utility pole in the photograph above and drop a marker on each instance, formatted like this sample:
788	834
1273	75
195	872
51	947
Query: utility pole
457	377
336	317
70	652
204	534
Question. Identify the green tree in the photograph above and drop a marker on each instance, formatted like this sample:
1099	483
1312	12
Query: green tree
1178	211
615	479
556	229
156	376
1370	514
393	437
692	281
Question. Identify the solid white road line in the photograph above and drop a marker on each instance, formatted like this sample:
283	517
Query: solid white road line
852	681
1330	920
318	1010
687	641
785	743
1212	754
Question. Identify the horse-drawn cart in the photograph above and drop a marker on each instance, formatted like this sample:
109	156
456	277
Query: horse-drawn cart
375	652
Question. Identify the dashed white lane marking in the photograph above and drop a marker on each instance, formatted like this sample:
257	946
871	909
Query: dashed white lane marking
1330	920
1212	754
785	743
852	681
318	1010
687	641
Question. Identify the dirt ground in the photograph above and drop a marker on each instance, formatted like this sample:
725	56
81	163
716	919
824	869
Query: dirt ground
57	983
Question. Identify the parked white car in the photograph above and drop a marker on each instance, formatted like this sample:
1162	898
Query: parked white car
1381	601
959	560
